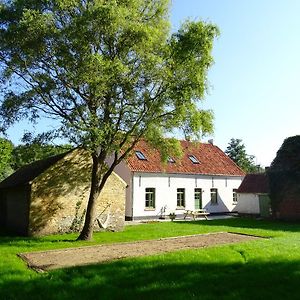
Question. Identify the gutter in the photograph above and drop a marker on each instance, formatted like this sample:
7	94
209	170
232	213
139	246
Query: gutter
132	194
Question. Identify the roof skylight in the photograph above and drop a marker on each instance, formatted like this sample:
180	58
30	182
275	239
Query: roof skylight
171	160
140	155
194	159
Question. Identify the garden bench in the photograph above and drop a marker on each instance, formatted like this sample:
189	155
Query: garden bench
196	213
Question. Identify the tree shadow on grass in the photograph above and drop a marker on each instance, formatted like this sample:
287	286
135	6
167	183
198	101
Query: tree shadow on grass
7	238
160	278
65	240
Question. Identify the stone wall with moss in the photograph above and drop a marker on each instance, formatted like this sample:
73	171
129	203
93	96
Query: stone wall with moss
284	180
59	198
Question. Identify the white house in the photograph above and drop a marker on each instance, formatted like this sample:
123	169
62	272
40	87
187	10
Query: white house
253	197
203	178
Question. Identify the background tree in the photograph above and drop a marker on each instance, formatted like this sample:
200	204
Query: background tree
33	149
6	148
236	150
28	153
108	71
13	157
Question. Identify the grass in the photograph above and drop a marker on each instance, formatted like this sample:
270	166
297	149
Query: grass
262	269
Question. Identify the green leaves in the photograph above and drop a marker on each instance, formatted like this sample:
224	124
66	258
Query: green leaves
6	148
34	148
27	153
191	54
108	70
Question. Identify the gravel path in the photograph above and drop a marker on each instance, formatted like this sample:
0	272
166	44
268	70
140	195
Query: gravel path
53	259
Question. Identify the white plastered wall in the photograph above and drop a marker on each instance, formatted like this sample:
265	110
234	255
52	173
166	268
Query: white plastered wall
248	204
166	192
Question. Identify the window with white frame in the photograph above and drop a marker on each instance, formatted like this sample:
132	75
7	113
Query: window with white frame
214	196
180	197
150	198
234	196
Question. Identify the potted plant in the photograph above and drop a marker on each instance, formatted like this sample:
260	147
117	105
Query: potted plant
172	216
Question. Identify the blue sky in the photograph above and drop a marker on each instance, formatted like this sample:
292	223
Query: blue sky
254	82
255	91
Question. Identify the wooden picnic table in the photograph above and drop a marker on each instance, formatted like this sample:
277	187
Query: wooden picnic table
196	213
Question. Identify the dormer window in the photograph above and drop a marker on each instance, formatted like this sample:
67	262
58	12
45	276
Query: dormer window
171	160
194	159
140	155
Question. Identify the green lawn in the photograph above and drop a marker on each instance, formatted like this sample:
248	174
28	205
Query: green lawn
262	269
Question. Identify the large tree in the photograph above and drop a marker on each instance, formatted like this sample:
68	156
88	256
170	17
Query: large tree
236	150
109	71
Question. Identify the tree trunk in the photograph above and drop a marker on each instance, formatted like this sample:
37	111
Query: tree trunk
87	231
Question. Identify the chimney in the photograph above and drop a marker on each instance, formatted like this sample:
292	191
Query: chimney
211	141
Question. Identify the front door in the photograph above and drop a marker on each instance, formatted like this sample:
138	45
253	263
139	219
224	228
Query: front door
264	206
198	198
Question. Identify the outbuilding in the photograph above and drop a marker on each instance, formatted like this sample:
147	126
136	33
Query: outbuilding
253	196
50	196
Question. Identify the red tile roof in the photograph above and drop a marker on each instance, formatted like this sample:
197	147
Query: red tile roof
254	184
213	161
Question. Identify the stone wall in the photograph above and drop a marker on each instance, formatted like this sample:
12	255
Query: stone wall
59	198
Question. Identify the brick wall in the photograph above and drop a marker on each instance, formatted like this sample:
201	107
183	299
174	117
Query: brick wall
289	208
59	198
